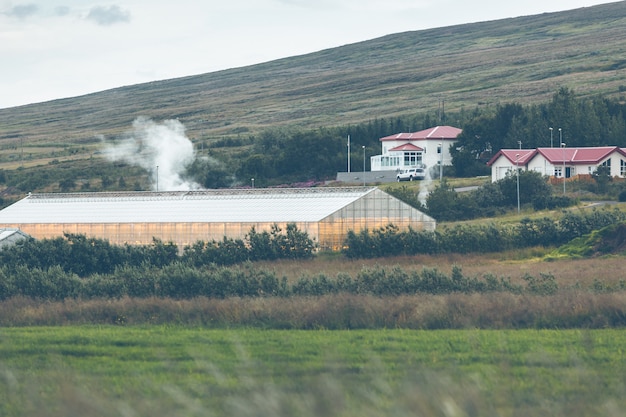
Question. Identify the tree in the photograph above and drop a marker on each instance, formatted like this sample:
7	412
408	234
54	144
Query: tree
602	178
532	186
407	195
66	185
210	173
467	163
106	181
256	166
443	203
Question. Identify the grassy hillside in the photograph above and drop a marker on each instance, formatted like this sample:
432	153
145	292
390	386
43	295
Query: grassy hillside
524	59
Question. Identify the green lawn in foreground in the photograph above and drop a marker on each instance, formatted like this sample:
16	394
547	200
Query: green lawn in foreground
166	371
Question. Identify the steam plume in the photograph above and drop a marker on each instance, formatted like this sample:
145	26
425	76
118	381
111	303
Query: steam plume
162	149
424	190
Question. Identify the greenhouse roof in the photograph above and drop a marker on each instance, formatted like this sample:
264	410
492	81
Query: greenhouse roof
8	233
210	206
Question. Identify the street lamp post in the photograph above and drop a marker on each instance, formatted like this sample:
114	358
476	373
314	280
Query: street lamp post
363	165
252	179
551	143
517	169
348	153
563	174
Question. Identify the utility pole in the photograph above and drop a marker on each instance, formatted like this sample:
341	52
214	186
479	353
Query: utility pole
363	165
517	171
563	153
348	153
551	144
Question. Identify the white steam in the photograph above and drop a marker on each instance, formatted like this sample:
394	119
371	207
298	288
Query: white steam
425	184
162	149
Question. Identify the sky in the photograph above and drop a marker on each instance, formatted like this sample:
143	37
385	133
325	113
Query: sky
52	49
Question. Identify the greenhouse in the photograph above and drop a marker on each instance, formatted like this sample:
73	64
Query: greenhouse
185	217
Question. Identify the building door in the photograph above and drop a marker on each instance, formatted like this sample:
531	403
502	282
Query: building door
568	172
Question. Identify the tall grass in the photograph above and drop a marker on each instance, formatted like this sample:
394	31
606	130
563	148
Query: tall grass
566	309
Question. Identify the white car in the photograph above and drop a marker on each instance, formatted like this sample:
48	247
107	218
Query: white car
411	174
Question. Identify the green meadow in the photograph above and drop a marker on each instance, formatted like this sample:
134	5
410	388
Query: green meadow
195	371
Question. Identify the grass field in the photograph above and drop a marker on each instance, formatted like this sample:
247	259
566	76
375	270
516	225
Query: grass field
184	371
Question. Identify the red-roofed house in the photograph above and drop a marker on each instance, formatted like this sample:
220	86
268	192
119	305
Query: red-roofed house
559	162
426	148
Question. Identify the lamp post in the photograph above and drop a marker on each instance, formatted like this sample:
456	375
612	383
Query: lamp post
551	143
157	178
363	165
517	170
348	153
252	179
563	174
560	136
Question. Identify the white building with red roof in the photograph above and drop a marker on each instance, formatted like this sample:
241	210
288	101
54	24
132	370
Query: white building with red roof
561	162
426	148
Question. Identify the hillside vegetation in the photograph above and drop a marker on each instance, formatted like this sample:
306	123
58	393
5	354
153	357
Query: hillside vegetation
493	79
524	59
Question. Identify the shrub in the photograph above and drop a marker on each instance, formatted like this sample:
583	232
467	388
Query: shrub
182	281
544	285
479	238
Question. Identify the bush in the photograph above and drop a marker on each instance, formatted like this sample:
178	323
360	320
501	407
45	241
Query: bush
83	256
544	285
445	204
480	238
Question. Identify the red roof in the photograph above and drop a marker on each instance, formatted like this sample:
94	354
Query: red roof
578	155
572	156
406	147
519	156
437	132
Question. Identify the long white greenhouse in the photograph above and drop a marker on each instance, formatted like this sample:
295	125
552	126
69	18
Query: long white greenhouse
185	217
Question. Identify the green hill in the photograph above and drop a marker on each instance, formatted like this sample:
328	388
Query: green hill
525	60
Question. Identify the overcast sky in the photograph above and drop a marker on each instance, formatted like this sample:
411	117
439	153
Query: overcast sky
53	49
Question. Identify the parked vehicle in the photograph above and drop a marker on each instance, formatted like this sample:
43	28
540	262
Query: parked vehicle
411	174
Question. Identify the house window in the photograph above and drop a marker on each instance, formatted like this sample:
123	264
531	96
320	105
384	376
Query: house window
558	172
622	168
389	161
412	158
607	163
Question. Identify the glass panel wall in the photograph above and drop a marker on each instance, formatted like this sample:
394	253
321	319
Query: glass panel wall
374	210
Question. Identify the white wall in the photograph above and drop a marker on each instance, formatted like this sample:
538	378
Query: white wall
501	167
541	165
430	156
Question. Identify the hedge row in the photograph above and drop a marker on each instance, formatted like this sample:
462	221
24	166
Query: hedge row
180	281
389	241
85	256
